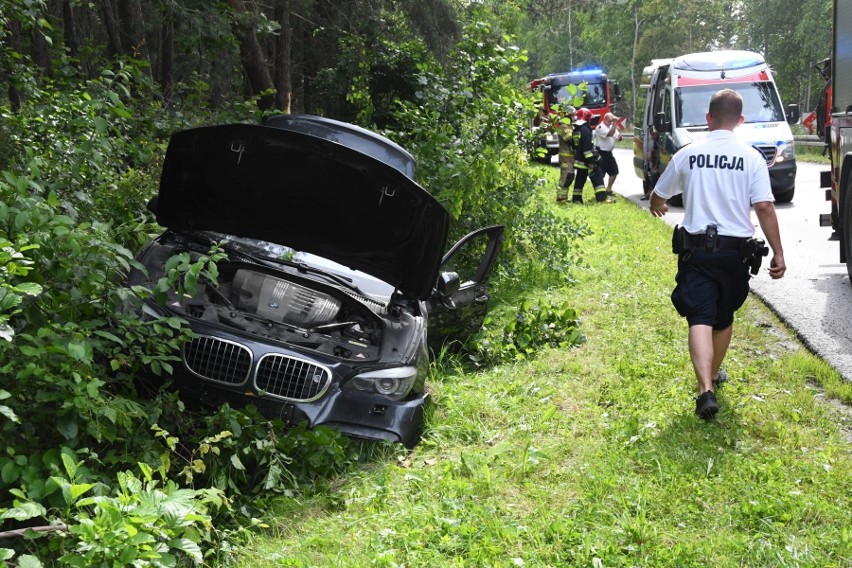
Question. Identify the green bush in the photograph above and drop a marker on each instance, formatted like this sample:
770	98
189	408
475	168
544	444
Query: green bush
536	325
72	348
81	162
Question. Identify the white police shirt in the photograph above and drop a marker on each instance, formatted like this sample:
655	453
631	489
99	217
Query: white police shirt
720	178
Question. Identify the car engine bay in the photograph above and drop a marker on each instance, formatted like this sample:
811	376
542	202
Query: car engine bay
276	305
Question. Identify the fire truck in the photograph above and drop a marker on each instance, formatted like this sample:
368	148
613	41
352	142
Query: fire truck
598	93
838	179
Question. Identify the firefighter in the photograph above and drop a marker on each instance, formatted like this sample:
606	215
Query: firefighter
586	160
565	132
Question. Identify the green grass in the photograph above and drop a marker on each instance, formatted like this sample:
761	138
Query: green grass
814	154
591	456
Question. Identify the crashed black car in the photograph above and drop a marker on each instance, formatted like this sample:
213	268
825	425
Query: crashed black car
335	261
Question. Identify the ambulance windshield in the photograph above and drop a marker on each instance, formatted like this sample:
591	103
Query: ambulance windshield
760	102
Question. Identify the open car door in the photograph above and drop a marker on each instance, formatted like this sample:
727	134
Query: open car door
459	303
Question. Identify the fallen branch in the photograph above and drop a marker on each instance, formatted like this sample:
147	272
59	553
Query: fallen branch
20	532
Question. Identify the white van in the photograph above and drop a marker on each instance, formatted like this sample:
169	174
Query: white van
678	93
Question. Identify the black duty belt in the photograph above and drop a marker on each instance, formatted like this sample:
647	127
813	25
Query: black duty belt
722	242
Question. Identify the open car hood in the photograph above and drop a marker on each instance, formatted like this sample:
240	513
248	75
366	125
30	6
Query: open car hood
313	184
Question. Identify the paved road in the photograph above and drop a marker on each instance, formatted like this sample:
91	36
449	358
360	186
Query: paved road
815	296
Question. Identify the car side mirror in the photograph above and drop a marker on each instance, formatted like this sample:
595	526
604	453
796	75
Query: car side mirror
448	284
616	91
792	114
661	124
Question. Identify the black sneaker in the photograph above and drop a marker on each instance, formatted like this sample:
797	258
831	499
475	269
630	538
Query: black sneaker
706	406
720	379
577	199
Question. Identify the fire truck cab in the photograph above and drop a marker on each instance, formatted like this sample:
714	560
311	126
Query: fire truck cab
598	93
677	94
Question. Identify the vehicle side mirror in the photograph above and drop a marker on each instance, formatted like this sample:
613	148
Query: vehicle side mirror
792	114
616	91
448	284
661	124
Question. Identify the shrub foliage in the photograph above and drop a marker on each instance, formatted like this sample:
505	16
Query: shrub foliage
92	473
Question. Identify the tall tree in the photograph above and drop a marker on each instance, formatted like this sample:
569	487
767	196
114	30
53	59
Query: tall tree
167	52
132	28
111	27
283	62
251	54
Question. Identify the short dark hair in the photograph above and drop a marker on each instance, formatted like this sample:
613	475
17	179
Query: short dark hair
726	106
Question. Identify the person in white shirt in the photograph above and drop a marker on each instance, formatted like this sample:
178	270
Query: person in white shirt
606	135
721	178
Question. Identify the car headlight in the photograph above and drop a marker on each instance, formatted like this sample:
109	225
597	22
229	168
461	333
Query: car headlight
394	383
786	152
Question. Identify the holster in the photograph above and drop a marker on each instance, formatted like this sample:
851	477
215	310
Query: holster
752	252
680	240
684	242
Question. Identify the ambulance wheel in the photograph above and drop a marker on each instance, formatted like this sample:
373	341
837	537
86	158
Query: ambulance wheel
785	196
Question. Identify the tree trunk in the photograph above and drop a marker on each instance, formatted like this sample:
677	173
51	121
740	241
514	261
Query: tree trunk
251	55
167	54
13	37
69	20
633	87
112	27
39	50
283	64
132	27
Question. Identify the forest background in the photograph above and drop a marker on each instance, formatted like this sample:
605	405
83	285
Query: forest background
90	92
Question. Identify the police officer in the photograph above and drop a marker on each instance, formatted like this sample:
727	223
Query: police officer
586	160
721	178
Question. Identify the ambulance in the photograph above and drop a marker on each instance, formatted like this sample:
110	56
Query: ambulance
676	97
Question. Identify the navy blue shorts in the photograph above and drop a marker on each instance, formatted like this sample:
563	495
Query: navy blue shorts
607	163
711	286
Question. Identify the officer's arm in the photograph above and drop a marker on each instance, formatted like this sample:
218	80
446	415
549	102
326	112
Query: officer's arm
765	211
658	205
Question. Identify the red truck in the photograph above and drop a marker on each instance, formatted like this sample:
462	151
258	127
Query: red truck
599	95
838	131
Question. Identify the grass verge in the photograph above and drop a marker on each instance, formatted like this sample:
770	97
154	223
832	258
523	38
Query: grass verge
591	456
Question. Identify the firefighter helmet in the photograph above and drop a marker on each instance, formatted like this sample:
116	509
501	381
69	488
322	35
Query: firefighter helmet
583	115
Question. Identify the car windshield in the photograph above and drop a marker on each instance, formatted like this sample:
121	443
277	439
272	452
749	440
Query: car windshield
760	102
595	95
